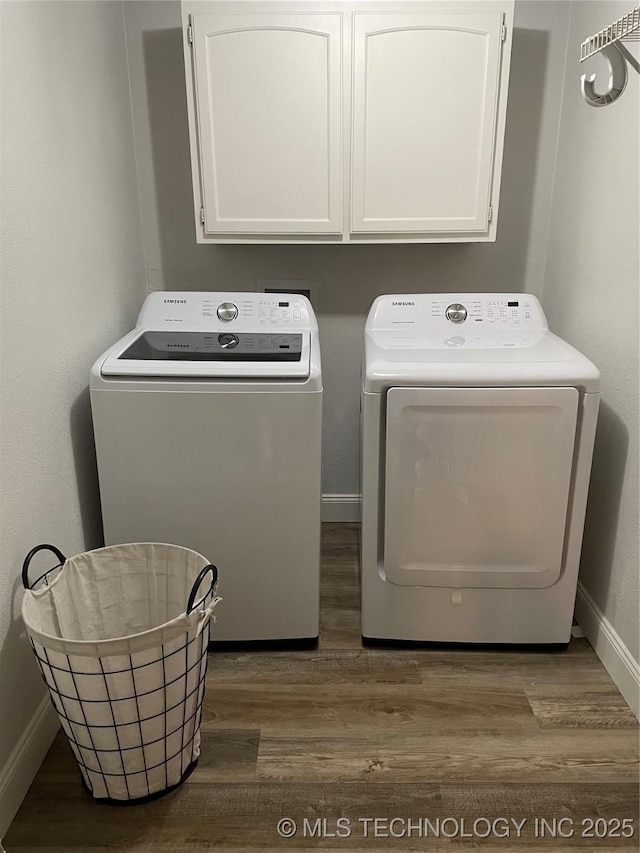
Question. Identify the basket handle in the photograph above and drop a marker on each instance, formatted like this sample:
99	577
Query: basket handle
31	555
196	585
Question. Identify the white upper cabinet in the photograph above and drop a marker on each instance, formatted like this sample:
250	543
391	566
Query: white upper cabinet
346	122
268	110
425	102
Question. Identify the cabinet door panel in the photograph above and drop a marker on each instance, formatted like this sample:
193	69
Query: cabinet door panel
424	120
268	100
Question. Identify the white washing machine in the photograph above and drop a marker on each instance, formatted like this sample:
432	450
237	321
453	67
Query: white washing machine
207	420
478	426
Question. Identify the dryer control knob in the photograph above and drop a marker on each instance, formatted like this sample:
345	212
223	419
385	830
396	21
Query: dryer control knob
456	312
227	311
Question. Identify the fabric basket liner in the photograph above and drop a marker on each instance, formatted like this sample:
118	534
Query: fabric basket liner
125	663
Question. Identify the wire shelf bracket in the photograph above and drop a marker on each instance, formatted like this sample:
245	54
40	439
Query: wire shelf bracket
609	42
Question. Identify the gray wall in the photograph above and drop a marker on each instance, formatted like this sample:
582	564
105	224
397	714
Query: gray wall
72	281
73	274
590	292
349	277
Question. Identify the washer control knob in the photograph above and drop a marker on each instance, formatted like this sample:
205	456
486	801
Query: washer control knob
456	312
227	311
228	341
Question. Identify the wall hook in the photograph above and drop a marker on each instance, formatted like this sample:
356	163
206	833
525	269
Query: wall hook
618	77
608	42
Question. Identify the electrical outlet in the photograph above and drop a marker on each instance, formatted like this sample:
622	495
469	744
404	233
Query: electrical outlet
289	285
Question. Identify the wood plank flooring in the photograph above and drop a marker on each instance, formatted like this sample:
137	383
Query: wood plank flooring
453	745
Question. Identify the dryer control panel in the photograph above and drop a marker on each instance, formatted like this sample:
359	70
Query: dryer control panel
484	312
227	311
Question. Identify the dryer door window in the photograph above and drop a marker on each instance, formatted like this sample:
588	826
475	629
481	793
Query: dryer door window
477	485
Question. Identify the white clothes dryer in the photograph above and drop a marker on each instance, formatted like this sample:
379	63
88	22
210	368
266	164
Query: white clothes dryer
207	420
478	427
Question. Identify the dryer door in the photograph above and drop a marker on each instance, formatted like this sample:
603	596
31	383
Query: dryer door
477	485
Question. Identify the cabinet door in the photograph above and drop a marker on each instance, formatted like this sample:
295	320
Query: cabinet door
425	105
268	104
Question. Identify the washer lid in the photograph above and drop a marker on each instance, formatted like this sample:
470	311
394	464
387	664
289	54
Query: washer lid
213	354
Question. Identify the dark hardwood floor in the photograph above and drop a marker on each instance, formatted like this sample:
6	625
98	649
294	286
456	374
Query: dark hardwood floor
453	745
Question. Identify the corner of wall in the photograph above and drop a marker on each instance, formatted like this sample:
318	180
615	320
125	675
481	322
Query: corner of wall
543	278
615	656
134	144
25	760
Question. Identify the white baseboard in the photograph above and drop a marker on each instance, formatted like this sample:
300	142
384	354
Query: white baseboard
341	508
25	760
615	656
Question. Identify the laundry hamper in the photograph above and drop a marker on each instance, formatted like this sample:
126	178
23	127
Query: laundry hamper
121	637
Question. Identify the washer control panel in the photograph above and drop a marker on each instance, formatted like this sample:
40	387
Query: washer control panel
265	310
498	312
233	312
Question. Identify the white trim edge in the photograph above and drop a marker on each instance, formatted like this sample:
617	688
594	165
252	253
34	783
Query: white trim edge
341	508
25	760
615	656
